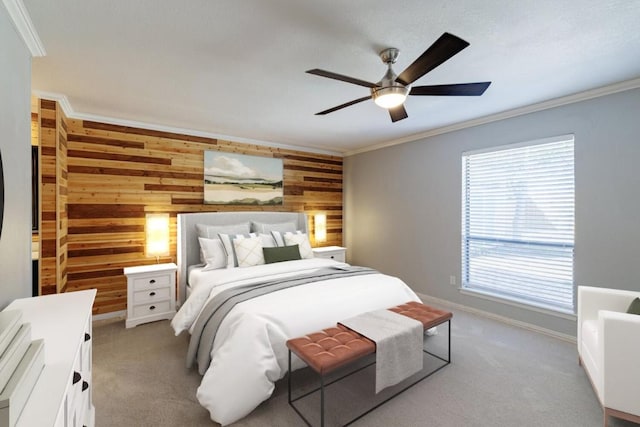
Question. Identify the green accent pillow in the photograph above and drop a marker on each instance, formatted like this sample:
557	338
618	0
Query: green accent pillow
634	307
281	253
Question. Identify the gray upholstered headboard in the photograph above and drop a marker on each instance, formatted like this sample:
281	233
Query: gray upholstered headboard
189	248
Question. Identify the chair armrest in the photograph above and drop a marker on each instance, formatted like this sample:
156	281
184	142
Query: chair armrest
619	349
592	299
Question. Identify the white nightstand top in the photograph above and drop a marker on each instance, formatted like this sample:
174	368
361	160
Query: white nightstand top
328	249
151	268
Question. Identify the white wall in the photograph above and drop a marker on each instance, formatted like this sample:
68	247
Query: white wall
403	203
15	147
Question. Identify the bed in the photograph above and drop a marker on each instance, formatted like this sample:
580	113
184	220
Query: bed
247	354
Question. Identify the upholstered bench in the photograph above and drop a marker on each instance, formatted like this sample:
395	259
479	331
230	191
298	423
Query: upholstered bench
336	347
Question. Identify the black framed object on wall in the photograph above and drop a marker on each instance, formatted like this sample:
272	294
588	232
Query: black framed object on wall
34	188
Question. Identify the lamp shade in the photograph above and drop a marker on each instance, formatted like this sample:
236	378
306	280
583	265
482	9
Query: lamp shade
320	227
157	233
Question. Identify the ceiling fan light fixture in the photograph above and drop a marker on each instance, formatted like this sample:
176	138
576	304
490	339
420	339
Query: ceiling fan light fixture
390	96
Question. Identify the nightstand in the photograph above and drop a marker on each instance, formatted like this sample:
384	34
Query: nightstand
151	293
337	253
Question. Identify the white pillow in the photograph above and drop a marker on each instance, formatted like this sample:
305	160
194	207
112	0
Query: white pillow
248	251
212	253
302	241
261	227
227	242
277	236
212	231
267	241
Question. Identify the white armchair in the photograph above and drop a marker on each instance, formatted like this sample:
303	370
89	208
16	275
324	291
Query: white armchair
609	349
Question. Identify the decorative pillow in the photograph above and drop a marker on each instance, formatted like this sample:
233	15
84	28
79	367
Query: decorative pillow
279	254
634	307
212	231
277	237
248	250
213	253
302	241
267	240
261	227
227	242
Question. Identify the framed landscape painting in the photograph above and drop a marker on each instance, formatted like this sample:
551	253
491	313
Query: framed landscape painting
239	179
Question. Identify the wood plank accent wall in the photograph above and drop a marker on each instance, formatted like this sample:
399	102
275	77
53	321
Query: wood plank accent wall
116	174
62	218
48	202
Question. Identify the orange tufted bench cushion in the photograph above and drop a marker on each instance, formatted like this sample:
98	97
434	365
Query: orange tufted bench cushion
332	348
428	316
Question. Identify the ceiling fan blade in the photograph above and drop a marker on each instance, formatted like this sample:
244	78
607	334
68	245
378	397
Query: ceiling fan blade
341	106
343	78
444	48
461	89
398	113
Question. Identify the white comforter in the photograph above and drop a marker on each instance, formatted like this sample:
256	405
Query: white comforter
249	352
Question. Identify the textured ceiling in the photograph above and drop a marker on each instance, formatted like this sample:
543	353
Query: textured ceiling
237	68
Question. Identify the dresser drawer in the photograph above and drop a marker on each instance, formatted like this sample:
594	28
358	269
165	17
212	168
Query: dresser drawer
150	309
151	295
151	282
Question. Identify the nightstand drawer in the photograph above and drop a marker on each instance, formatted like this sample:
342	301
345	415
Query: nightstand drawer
152	282
338	256
151	295
150	309
336	253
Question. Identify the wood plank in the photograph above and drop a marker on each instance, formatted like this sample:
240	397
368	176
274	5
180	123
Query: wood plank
112	175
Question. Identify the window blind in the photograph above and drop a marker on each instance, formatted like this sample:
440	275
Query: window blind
518	222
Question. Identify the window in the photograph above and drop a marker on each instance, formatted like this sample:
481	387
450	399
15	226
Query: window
518	222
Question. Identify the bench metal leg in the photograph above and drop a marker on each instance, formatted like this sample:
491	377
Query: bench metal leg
289	379
321	401
300	397
322	383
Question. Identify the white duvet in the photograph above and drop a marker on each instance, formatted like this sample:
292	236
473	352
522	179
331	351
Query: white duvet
249	352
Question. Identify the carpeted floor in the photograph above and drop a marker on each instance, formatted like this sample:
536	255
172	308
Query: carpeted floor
500	376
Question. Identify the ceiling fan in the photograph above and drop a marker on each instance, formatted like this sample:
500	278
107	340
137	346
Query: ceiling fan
392	90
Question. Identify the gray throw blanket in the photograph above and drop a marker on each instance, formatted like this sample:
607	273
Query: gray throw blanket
399	341
214	312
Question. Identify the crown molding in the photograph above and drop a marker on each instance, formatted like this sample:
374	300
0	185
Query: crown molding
72	114
22	21
552	103
556	102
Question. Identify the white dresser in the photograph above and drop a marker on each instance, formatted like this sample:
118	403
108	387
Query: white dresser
62	396
151	293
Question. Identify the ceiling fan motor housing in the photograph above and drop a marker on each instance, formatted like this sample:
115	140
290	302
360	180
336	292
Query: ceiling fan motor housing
389	93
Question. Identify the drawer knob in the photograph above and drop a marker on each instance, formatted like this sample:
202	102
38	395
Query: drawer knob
152	281
153	307
332	256
152	294
76	377
85	385
87	337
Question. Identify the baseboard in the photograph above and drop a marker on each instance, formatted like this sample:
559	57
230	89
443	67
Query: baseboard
114	315
503	319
